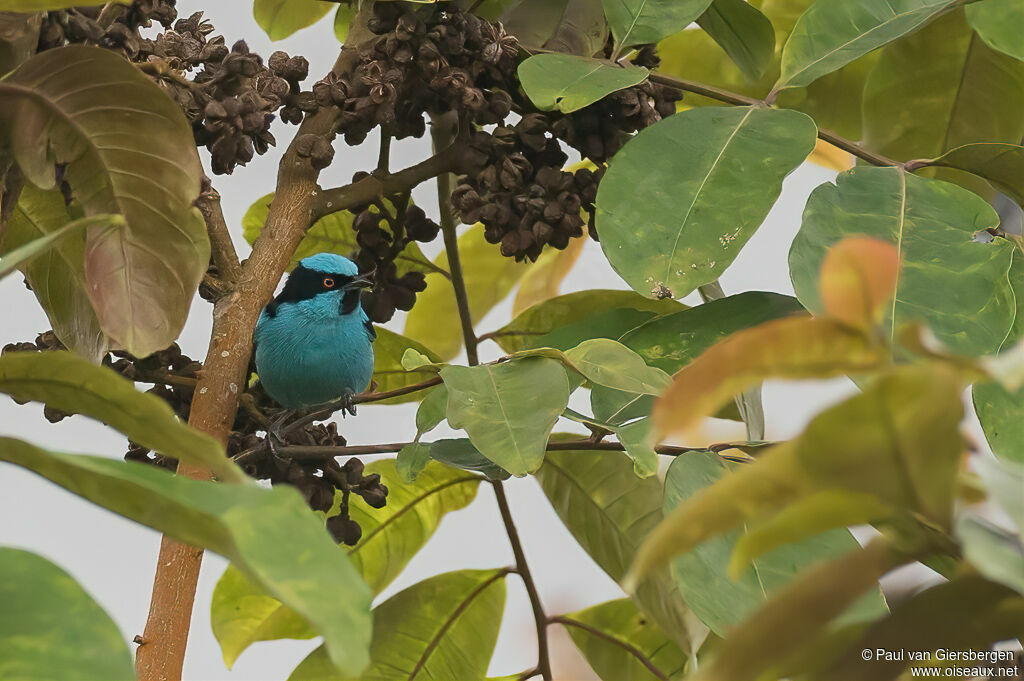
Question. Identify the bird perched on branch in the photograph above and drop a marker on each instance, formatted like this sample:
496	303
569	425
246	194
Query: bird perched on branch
313	342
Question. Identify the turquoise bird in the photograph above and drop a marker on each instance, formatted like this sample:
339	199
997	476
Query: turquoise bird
314	342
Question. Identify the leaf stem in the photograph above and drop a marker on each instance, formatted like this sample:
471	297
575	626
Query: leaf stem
523	570
628	647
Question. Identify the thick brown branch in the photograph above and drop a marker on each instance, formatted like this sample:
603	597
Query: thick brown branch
628	647
381	184
215	400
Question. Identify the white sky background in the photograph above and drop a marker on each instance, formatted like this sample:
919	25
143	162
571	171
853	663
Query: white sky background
114	558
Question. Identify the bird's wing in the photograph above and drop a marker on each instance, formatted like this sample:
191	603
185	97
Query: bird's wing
370	330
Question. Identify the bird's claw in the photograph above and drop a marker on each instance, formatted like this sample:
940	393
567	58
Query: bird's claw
347	405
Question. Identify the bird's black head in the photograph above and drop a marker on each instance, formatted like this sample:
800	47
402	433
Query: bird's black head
323	273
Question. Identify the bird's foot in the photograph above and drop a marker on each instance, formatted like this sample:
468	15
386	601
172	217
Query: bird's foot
347	405
275	436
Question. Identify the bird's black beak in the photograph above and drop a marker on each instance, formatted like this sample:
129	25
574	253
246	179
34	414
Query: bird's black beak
362	281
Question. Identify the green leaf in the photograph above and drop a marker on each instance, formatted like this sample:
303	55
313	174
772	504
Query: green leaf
431	410
342	20
460	453
392	535
571	26
69	383
57	277
270	534
960	90
508	409
242	613
672	341
445	627
635	437
800	611
388	372
411	460
280	18
832	33
636	22
50	625
332	233
999	412
684	196
566	321
129	151
20	257
996	553
568	83
43	5
745	34
610	511
932	223
1000	24
787	348
702	575
626	626
613	365
885	442
999	163
489	278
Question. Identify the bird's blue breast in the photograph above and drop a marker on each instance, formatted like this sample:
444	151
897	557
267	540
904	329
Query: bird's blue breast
308	353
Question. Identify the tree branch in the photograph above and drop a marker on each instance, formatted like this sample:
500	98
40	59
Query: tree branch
628	647
336	199
215	400
320	452
523	570
222	249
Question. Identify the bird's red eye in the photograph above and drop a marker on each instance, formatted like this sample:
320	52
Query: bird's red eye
328	282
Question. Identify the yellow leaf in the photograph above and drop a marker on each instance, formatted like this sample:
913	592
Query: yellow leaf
785	348
545	276
833	158
858	278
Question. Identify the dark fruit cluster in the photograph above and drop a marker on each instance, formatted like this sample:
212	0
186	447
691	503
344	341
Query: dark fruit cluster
228	94
383	231
113	28
45	341
423	60
232	96
514	184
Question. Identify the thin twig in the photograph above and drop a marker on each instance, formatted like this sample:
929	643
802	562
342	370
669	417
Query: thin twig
628	647
523	570
384	157
361	398
315	452
222	249
443	132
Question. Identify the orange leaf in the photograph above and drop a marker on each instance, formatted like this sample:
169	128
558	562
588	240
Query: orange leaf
785	348
858	277
828	156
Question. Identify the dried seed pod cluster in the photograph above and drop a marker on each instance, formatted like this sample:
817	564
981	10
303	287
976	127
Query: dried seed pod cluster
229	95
383	231
423	60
